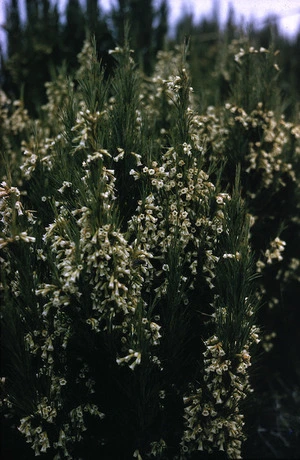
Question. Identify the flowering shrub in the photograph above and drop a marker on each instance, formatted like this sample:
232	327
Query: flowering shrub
129	262
255	134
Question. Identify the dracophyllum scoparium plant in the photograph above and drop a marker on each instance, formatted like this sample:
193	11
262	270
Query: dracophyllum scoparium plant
128	280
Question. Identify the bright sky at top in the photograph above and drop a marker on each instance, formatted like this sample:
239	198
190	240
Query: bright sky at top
287	11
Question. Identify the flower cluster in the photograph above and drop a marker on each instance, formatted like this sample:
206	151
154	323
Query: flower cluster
267	155
14	217
14	124
58	91
39	440
212	413
14	117
177	209
277	246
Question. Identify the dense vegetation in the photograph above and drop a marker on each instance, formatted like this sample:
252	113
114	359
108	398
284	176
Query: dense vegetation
149	236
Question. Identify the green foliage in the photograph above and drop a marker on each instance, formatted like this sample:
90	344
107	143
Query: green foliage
47	39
